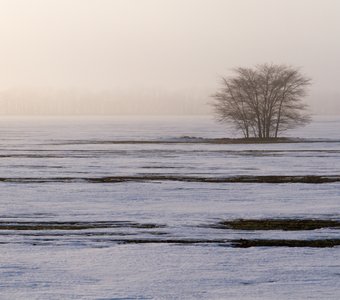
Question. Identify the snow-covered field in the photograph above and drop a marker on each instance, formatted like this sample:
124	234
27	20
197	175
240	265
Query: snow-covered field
82	240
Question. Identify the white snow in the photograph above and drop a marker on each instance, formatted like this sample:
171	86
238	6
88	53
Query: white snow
90	264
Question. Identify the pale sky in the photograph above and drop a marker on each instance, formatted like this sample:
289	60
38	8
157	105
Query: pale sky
166	46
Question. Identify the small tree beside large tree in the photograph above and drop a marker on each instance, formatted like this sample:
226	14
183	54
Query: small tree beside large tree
263	101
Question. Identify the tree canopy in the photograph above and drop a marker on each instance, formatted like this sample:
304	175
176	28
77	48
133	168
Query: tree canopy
263	101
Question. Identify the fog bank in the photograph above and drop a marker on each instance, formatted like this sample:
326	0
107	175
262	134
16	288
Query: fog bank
157	56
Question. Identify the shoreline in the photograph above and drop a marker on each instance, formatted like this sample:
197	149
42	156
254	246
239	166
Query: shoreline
200	140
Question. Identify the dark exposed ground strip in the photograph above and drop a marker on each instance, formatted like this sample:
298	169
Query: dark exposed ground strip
198	140
152	177
277	224
325	243
237	224
51	154
262	224
74	225
242	243
235	243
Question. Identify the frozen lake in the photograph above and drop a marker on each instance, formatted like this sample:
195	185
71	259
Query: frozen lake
62	237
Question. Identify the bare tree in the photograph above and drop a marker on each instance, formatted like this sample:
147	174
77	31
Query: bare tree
263	101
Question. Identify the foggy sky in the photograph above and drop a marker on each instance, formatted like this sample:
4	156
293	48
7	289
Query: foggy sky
163	50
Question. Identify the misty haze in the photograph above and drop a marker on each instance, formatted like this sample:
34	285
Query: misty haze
134	57
169	149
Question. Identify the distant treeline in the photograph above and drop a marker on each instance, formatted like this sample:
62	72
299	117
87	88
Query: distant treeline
127	101
73	102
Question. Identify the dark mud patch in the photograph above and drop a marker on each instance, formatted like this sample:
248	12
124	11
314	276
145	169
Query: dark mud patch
172	241
75	225
326	243
313	179
277	224
240	243
94	240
